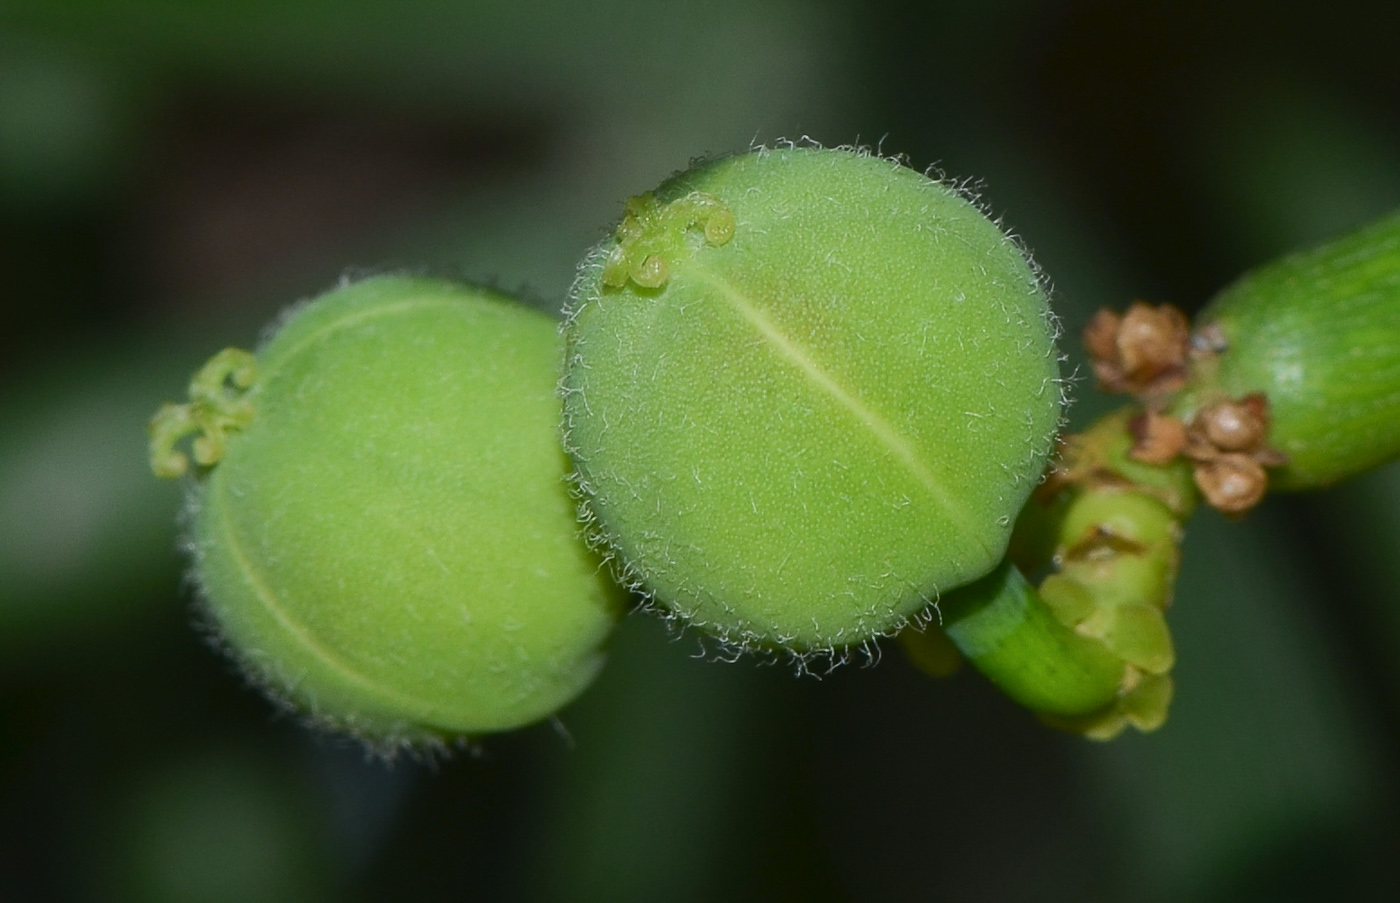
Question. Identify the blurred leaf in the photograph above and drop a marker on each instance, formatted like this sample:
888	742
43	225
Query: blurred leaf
87	534
676	786
65	125
1264	744
1290	163
1364	514
214	827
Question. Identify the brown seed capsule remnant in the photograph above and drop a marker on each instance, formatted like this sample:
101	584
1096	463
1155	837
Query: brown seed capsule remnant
1146	352
1142	352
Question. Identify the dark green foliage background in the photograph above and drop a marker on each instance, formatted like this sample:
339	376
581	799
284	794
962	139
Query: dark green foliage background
174	171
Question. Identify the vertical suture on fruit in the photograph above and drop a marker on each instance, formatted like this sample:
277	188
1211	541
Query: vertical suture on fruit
884	433
391	462
217	408
651	234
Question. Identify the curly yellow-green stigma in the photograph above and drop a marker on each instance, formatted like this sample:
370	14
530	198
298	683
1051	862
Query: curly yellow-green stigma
215	410
389	542
652	234
807	390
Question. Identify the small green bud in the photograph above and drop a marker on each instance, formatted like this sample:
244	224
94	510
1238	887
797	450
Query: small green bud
1318	333
382	530
807	390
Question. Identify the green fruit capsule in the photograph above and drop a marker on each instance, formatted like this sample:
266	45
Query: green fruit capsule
1319	334
383	533
806	391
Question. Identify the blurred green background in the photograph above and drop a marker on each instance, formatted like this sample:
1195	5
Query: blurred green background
172	172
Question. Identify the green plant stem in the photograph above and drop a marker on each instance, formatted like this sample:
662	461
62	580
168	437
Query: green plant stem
1003	627
1088	649
1318	333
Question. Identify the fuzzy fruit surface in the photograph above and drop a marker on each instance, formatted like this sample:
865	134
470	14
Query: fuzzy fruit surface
390	543
806	391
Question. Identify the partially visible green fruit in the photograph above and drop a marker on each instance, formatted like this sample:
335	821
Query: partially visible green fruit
807	390
1319	334
384	535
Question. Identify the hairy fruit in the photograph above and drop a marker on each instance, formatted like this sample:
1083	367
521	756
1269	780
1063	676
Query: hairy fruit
382	531
806	391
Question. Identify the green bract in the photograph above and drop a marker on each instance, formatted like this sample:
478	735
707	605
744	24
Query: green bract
1319	334
807	390
384	535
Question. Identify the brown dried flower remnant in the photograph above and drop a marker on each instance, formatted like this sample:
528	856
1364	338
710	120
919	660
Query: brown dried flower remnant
1232	483
1142	352
1228	441
1236	426
1157	438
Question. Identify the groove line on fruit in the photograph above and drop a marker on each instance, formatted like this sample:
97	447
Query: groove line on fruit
794	353
270	601
349	322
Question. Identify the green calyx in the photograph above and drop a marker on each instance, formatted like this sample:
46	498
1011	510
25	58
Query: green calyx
1318	333
807	391
1296	367
1088	649
389	545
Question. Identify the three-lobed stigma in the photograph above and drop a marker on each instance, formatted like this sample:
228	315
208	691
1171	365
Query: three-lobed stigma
652	234
217	407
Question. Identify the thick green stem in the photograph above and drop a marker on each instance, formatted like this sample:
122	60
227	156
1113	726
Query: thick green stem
1002	626
1318	334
